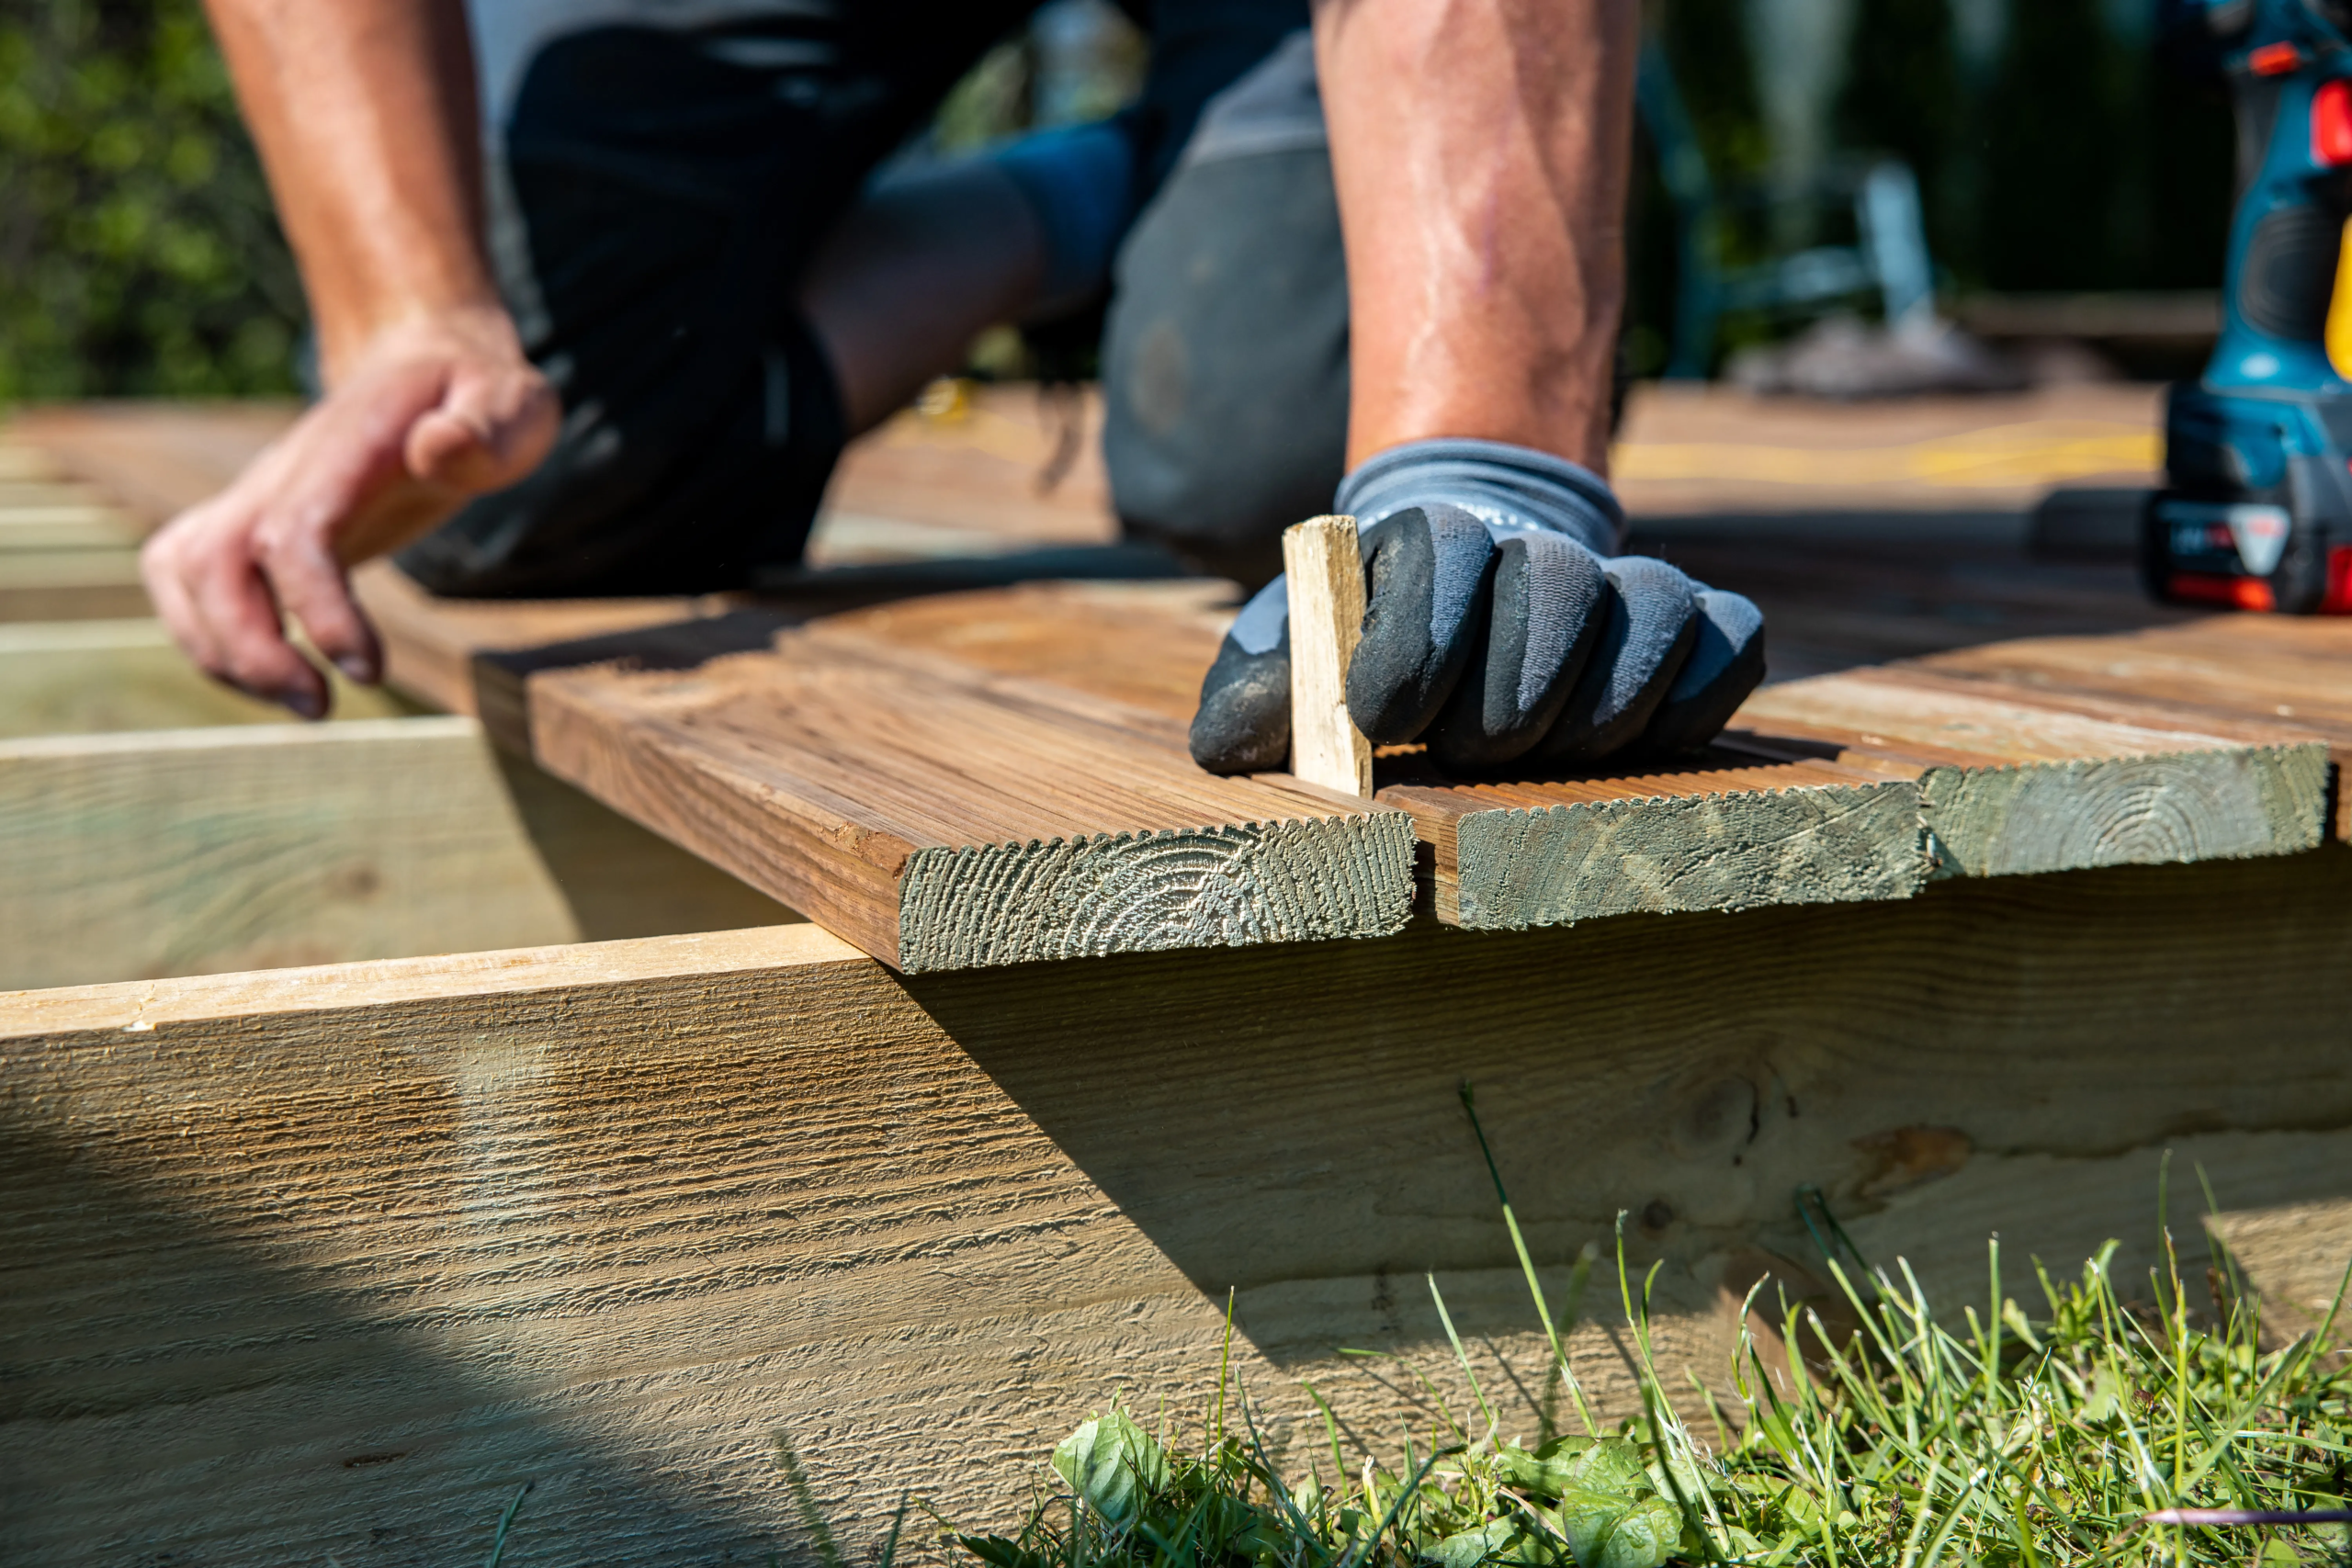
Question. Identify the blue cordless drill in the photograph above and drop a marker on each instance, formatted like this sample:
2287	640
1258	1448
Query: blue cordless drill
2258	510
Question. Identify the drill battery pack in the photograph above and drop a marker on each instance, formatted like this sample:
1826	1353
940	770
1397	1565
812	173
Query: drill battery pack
2258	512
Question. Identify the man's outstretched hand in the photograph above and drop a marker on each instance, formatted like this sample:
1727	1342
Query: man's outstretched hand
1496	628
435	412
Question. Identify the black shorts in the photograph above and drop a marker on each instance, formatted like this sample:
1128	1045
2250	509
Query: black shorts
658	192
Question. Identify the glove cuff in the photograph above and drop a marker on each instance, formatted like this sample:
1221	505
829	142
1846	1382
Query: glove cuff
1512	489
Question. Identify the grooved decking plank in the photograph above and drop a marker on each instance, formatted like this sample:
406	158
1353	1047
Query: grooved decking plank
2010	785
430	642
1730	833
2297	673
943	818
1721	836
2287	672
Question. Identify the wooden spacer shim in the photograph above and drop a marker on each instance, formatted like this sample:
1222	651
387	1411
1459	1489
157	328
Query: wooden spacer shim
1326	572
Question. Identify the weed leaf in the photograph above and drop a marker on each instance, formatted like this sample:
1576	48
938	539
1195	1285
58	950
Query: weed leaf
1114	1465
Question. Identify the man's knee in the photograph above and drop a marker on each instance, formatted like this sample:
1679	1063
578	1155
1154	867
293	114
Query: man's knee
1225	355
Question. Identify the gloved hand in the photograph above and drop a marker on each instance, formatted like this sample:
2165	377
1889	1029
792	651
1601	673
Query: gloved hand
1496	628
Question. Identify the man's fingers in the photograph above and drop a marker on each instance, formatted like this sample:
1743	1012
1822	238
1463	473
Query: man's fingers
242	629
1549	606
310	585
160	567
1243	723
1425	608
1726	662
1654	611
489	432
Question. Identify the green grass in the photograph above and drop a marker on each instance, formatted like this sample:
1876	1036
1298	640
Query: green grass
2036	1437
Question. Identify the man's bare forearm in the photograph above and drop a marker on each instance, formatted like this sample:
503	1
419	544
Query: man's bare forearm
1481	150
365	115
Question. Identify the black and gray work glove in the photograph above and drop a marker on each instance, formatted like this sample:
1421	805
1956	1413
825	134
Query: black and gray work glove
1498	628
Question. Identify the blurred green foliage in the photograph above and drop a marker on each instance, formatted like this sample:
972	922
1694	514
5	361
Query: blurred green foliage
2077	161
1903	95
2072	160
2103	168
1706	45
137	252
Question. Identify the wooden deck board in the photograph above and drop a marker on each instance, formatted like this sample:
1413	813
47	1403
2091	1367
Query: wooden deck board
1729	836
942	819
2010	785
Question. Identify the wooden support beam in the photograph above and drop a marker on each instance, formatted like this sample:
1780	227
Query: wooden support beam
65	553
2009	786
239	848
98	677
333	1261
77	584
153	459
252	845
1325	571
59	518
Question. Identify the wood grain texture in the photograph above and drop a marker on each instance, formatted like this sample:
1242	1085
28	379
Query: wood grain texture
2014	782
940	817
1797	832
333	1261
94	677
2008	786
430	642
1716	837
2281	672
183	851
1325	571
243	847
1142	645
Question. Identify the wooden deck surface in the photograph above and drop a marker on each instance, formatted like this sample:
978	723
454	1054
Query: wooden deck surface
997	774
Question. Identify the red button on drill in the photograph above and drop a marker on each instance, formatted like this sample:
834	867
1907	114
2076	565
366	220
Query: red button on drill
2332	124
2273	59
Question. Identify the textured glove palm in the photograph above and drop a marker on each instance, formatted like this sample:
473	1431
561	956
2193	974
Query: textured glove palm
1495	630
